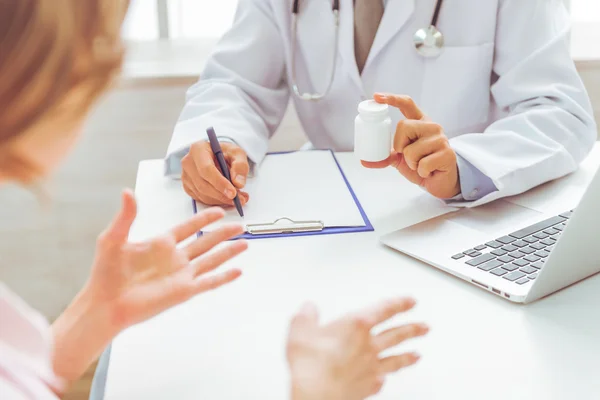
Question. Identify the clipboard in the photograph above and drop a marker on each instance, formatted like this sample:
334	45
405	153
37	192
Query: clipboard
286	227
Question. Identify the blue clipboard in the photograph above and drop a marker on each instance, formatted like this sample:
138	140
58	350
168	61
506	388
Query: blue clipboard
368	227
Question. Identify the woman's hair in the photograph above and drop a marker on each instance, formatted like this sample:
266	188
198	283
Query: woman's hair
56	58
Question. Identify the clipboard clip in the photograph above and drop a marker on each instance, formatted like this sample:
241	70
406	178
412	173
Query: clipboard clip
285	226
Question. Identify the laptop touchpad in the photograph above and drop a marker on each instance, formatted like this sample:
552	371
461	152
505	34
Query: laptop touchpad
495	217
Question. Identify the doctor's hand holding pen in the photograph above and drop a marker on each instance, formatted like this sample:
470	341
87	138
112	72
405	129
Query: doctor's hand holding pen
203	180
342	360
421	151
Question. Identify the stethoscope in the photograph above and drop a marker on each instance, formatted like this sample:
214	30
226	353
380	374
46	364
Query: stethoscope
428	42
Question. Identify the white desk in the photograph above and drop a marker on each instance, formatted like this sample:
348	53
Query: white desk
229	344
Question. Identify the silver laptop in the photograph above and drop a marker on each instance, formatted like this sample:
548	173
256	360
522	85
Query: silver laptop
518	253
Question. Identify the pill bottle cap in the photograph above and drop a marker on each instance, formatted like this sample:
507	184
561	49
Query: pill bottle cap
373	109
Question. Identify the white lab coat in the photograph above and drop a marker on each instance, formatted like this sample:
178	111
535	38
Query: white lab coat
505	89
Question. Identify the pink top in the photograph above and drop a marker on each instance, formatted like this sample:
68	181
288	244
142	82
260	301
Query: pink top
25	352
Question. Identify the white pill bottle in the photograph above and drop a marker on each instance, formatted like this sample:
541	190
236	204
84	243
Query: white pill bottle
372	131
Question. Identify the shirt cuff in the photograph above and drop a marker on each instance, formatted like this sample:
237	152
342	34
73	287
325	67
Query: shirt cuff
474	184
173	162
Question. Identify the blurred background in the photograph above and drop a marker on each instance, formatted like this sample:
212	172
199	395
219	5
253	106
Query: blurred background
179	19
46	248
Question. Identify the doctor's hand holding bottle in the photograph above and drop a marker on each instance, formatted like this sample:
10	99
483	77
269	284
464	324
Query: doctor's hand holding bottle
421	151
203	180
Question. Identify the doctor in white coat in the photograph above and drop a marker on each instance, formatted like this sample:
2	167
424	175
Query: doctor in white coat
499	111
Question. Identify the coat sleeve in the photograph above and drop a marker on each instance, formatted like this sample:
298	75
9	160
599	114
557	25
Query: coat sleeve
242	92
549	126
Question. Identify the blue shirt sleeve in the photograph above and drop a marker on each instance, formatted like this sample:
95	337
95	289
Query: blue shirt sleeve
473	183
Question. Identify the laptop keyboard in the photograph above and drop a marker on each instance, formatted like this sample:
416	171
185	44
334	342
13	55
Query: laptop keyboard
519	256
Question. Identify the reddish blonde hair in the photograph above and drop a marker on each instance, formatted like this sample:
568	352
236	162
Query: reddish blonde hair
56	58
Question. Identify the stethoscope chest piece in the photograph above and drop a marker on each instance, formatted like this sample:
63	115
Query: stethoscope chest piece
429	41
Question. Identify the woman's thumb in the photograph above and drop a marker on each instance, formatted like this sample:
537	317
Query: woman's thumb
308	316
121	224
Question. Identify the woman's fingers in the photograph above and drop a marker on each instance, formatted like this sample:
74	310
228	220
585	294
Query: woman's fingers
204	284
213	260
395	363
395	336
385	310
307	316
211	239
196	223
119	229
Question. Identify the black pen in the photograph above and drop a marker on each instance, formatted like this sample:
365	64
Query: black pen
216	148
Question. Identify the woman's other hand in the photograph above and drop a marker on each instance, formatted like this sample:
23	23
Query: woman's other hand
341	360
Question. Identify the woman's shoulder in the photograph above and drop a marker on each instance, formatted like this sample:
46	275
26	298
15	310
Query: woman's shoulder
25	350
19	318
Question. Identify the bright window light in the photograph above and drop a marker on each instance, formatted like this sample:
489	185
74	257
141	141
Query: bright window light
211	19
198	18
585	11
142	21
